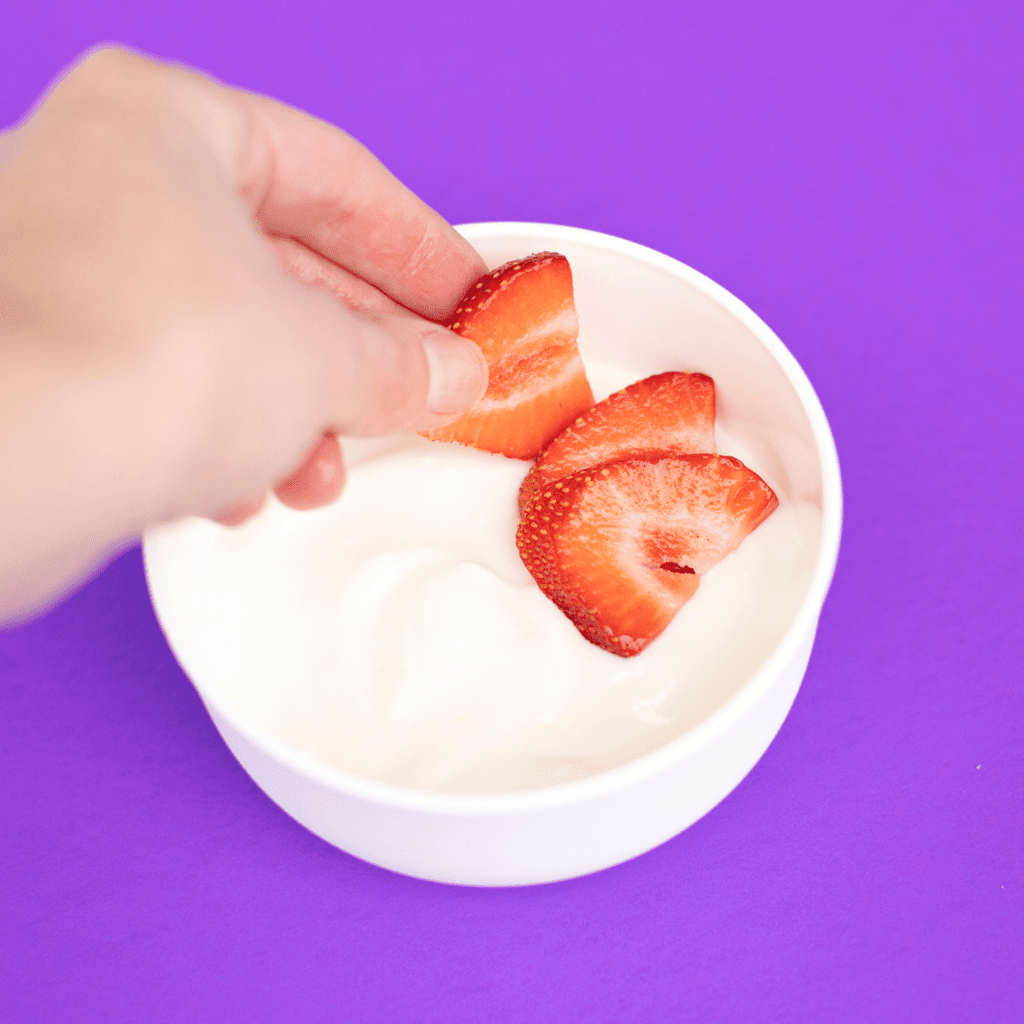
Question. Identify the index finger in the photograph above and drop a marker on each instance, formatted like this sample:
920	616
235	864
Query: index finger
308	180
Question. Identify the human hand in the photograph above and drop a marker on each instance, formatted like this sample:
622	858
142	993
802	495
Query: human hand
199	289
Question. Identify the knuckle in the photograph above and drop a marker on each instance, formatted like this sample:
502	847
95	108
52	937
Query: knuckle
105	66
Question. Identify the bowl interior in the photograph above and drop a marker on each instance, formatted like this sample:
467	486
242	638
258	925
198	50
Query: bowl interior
642	313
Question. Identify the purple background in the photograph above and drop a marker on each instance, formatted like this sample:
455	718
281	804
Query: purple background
853	172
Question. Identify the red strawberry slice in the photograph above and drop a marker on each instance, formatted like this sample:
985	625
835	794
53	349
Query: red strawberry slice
523	318
670	412
621	547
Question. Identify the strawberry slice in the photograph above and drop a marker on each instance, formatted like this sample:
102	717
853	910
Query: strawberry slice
523	318
670	412
621	547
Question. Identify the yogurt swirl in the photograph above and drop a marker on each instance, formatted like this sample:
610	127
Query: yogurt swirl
397	635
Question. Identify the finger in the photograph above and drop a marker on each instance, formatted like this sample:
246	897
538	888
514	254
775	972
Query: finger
318	481
241	511
311	268
310	181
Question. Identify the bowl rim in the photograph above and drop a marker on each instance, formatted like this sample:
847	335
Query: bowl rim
653	763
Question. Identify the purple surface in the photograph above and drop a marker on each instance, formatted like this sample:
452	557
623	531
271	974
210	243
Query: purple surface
856	176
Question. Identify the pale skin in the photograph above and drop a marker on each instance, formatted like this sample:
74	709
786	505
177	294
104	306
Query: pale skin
200	289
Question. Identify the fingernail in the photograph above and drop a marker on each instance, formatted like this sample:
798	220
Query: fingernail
458	374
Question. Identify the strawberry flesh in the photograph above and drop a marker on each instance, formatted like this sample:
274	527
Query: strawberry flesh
621	547
523	317
670	412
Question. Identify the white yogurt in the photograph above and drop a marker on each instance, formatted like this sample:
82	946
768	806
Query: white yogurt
397	635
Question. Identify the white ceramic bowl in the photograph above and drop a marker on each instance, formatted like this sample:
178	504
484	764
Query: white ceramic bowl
652	313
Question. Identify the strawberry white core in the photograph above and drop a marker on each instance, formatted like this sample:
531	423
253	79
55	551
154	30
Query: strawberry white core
559	328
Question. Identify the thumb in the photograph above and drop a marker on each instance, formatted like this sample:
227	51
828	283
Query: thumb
393	373
300	365
387	364
373	374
